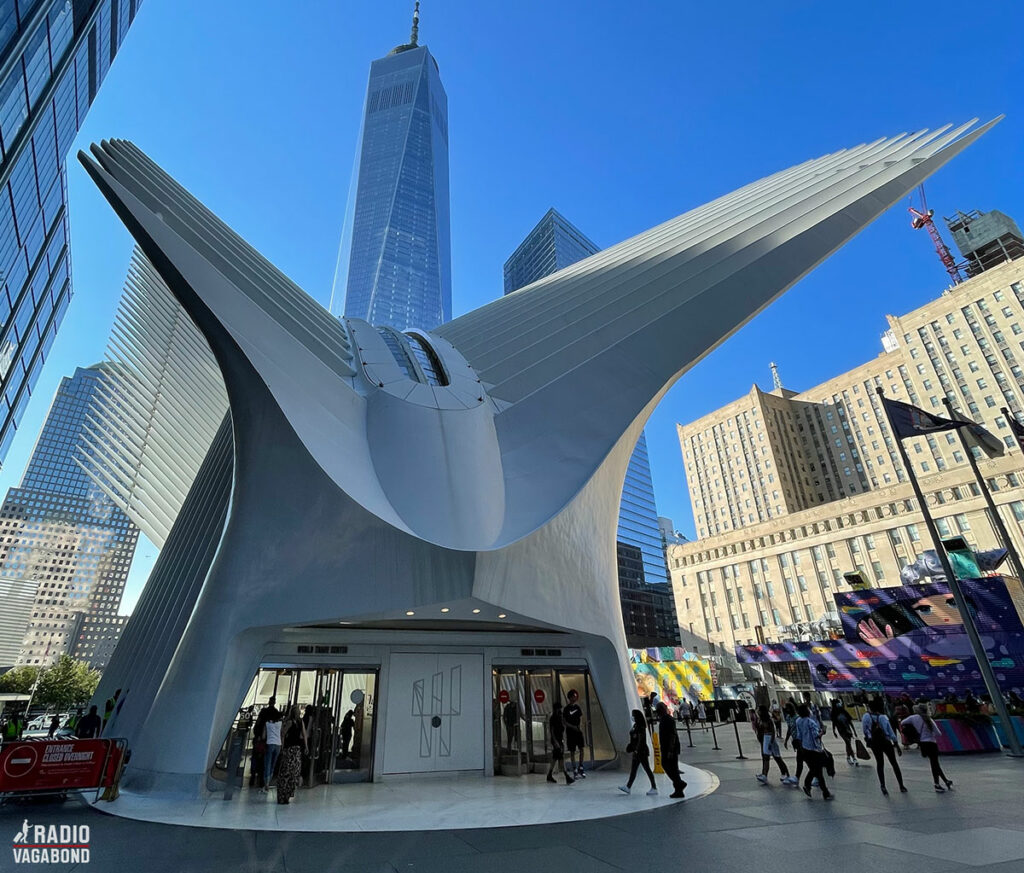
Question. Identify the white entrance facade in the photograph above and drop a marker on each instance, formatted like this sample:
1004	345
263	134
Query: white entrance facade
433	702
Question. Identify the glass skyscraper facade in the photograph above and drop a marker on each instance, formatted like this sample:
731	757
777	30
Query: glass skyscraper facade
648	606
396	249
59	531
554	244
53	59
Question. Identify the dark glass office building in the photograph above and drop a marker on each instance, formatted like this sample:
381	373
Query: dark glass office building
396	249
648	606
60	531
53	59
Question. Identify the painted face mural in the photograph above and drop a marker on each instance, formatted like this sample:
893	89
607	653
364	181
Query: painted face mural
938	610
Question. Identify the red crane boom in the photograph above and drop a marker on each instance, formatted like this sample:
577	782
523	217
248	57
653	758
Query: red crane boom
923	218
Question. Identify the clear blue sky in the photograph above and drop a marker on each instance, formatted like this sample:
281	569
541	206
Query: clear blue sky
621	115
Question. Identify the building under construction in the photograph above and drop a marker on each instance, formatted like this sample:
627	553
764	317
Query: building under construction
985	239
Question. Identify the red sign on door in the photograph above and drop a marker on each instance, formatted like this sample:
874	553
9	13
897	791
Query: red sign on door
538	695
503	696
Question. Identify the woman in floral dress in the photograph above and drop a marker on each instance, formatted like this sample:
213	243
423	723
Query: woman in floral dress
292	746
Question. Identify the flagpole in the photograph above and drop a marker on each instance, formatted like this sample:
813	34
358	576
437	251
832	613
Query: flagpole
997	519
1011	421
980	655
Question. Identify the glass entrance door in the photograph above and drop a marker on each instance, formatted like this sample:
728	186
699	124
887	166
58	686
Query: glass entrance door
355	695
523	700
336	706
508	708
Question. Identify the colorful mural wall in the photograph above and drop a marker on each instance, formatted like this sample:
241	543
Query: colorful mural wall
912	638
674	673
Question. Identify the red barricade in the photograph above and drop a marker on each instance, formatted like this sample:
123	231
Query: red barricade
33	766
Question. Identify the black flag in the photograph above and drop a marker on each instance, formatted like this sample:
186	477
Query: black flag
1018	430
910	421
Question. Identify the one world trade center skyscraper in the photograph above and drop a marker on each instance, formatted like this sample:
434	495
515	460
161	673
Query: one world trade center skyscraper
395	260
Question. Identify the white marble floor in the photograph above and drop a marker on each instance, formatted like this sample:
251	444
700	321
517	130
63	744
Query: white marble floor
416	804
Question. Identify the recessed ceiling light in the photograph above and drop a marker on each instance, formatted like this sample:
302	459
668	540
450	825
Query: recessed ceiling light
444	609
476	612
409	612
501	615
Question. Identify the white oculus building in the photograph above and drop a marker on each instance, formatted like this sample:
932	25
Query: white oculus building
417	529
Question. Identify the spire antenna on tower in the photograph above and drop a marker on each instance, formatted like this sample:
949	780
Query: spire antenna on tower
415	35
776	379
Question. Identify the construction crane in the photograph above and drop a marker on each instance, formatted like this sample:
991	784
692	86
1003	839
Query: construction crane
923	218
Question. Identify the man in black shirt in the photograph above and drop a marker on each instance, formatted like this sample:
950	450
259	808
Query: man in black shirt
668	741
572	715
558	746
89	726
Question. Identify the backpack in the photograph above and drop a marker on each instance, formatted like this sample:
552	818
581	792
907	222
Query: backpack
910	734
876	738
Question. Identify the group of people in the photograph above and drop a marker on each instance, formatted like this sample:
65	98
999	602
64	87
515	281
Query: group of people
566	726
282	738
668	746
805	729
83	726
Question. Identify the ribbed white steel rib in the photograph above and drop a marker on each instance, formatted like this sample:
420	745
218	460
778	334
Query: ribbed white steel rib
502	339
160	405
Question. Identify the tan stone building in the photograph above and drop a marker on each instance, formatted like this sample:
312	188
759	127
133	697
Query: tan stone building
791	490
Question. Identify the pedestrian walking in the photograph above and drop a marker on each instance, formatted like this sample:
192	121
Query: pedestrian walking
293	746
572	715
768	739
14	727
702	714
348	725
789	714
649	703
928	733
510	715
557	728
842	727
54	724
809	732
669	742
641	752
72	723
882	740
272	728
90	725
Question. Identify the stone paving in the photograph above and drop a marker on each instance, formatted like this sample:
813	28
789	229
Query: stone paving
742	826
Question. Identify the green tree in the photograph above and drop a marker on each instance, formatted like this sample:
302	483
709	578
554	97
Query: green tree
66	683
18	680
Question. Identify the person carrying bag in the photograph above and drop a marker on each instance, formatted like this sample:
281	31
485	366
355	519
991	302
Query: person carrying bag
882	740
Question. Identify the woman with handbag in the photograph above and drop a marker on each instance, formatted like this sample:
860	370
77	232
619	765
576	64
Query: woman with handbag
768	739
928	732
789	712
882	741
842	727
294	744
809	732
641	753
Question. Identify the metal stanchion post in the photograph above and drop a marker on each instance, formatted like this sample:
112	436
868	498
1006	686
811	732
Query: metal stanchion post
689	736
716	747
739	748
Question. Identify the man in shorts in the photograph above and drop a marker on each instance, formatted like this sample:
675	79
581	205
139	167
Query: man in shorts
572	715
